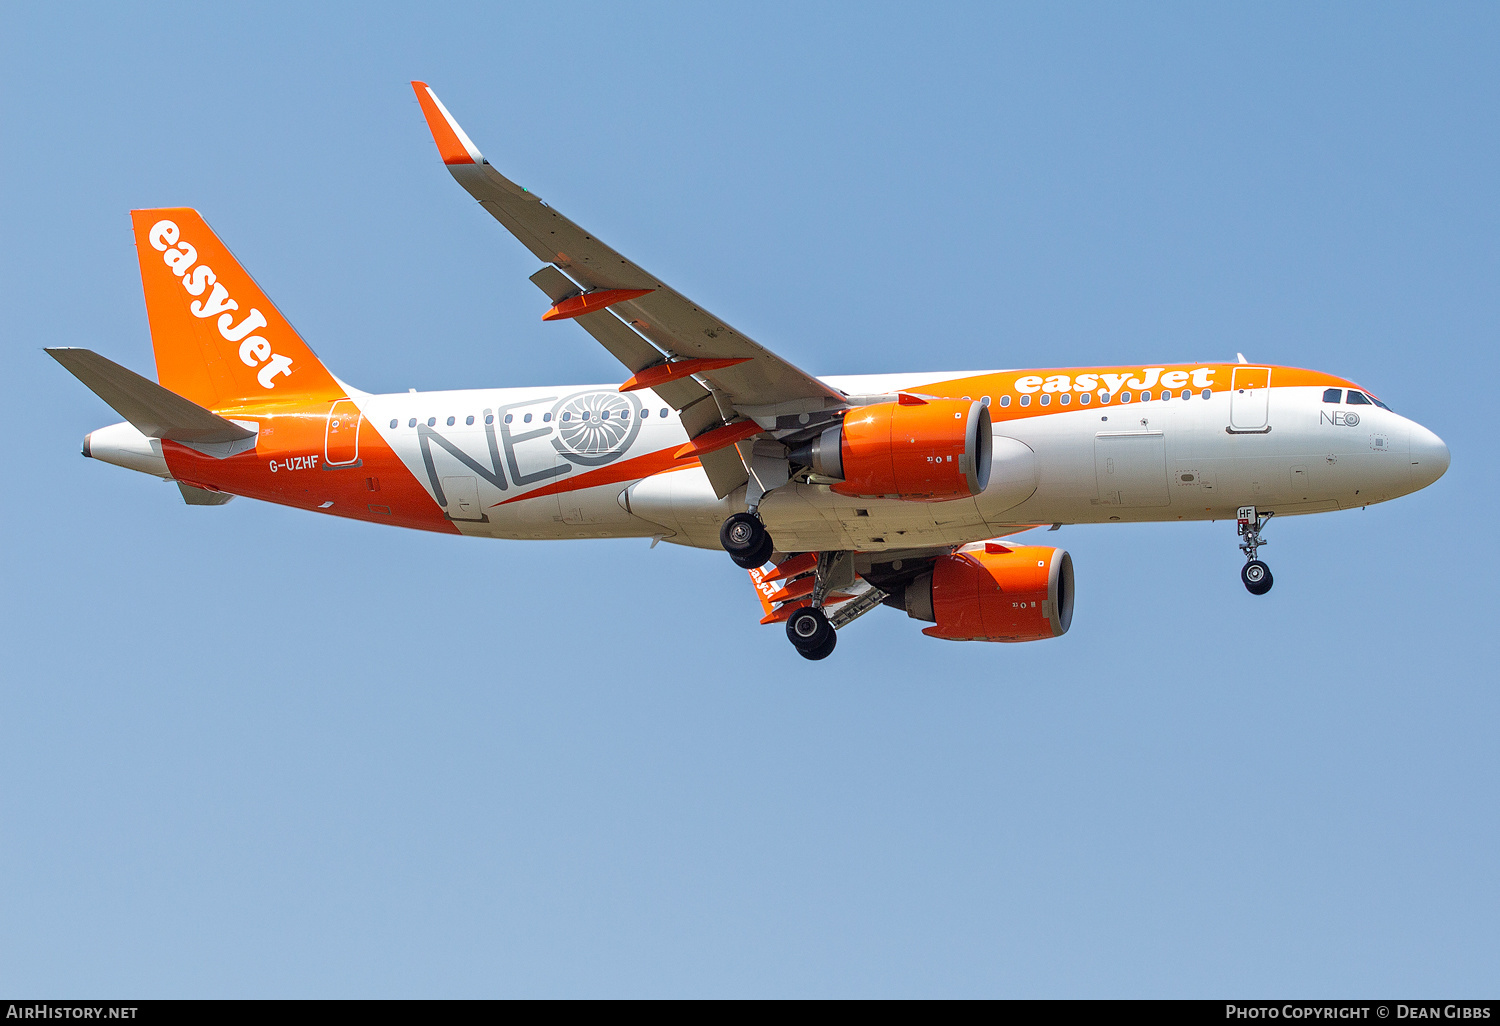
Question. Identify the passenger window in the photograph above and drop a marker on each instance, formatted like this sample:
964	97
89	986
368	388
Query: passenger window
1046	400
1124	397
604	415
450	421
432	422
509	417
1083	400
546	418
624	414
1064	399
412	422
1165	395
1005	400
489	418
394	423
526	419
1208	393
567	417
664	411
1025	400
1333	395
1187	393
1104	397
984	400
645	413
469	420
1357	398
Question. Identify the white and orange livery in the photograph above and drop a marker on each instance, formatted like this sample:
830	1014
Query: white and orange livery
838	494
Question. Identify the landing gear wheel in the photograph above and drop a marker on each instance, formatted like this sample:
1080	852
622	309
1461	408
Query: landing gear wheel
809	631
1257	577
746	540
823	651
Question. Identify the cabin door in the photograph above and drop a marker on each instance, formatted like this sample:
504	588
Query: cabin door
341	441
1250	399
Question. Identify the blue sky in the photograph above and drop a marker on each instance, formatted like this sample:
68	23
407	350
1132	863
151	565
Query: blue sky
248	751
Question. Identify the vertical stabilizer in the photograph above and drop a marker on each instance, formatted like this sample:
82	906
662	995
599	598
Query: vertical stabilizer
219	340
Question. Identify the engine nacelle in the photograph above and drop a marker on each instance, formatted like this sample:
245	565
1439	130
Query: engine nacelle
926	450
1000	593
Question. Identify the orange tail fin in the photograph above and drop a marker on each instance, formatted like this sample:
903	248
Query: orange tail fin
219	340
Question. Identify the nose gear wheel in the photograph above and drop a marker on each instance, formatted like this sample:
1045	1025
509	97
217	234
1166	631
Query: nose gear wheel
1257	577
1255	574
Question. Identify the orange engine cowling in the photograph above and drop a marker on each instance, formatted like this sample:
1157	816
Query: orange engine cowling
998	594
928	450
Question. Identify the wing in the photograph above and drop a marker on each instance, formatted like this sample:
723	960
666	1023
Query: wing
645	323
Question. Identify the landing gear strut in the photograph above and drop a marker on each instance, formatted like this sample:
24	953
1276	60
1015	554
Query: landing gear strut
1255	574
746	540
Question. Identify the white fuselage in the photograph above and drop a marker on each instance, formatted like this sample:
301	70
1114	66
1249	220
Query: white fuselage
1146	461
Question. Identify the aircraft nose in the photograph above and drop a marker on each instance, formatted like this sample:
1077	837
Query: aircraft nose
1429	456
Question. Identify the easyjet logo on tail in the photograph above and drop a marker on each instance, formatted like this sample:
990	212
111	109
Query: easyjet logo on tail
180	257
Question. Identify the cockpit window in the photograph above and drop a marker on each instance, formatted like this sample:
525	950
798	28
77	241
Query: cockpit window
1377	402
1357	398
1333	395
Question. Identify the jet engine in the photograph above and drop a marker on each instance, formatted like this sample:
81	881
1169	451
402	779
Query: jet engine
927	450
998	593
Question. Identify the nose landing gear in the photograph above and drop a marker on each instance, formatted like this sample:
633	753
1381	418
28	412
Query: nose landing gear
746	540
1255	574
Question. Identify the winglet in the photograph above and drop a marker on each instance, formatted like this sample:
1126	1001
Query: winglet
453	145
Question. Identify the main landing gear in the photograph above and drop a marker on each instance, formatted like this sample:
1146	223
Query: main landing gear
811	634
749	544
746	540
1255	574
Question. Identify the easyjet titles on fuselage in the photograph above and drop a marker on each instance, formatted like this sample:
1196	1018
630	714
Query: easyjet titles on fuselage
1150	377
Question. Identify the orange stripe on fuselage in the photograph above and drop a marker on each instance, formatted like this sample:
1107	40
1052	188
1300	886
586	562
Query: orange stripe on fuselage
626	470
288	466
1133	379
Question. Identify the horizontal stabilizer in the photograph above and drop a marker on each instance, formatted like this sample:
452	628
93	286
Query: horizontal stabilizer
153	410
195	496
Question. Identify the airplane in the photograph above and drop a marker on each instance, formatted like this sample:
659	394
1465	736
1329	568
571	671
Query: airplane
837	494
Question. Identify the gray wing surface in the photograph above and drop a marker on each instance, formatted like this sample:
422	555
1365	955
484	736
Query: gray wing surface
640	332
